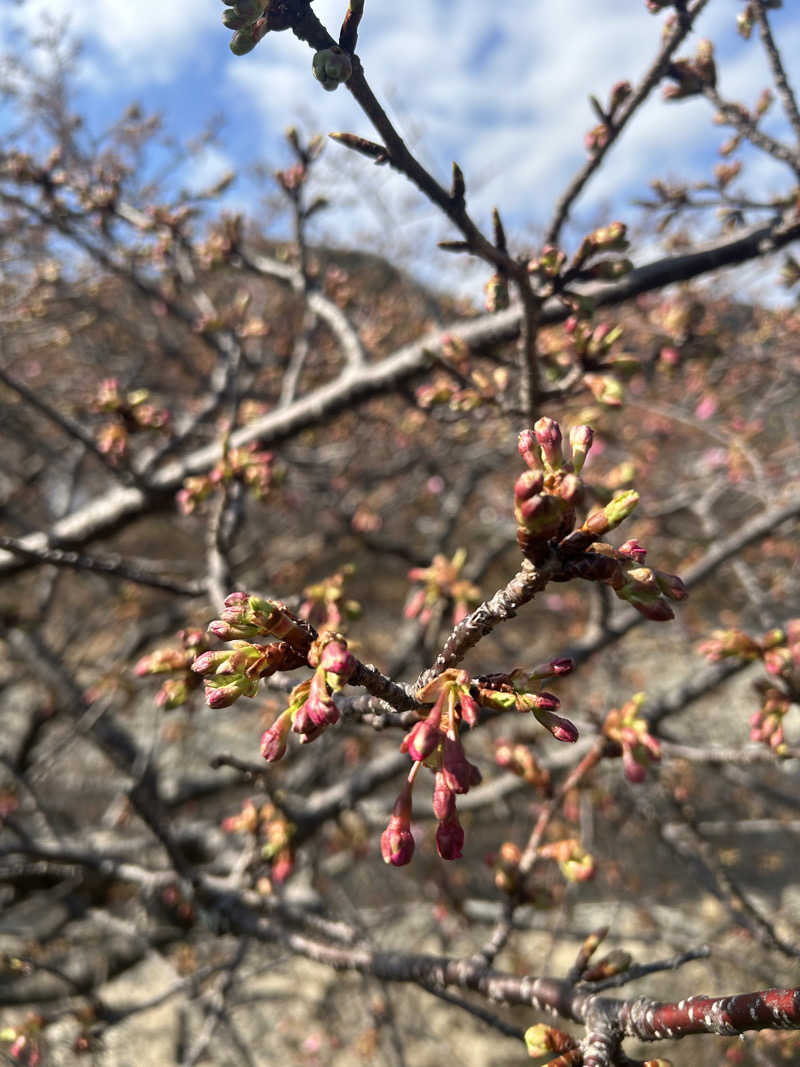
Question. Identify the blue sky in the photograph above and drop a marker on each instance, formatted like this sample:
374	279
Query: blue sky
502	88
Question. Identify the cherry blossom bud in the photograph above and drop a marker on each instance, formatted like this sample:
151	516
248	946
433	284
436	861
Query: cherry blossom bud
548	437
424	737
273	740
397	842
458	773
580	439
444	799
470	709
561	729
450	838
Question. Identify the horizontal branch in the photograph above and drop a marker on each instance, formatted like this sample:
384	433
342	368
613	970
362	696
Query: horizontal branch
357	385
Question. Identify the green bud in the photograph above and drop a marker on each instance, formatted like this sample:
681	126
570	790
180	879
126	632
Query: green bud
243	42
233	21
331	67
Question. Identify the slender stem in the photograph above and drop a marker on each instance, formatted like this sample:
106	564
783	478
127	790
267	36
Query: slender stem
646	86
787	94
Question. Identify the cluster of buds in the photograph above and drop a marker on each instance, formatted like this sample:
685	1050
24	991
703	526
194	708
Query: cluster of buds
612	238
176	662
613	963
293	179
221	242
311	707
131	412
331	66
435	742
24	1041
738	114
508	878
545	500
252	19
779	650
269	827
442	584
766	724
482	388
591	343
517	691
247	465
627	728
598	137
236	671
692	76
574	862
324	604
517	758
541	1040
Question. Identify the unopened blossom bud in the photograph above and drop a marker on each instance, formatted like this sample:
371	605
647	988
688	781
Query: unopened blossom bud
519	759
529	484
249	9
542	1039
424	737
561	729
331	67
777	660
470	709
635	772
319	705
538	701
458	773
544	516
548	437
620	91
450	838
580	439
553	668
163	660
243	41
397	842
338	661
633	549
273	740
615	512
570	488
616	962
528	448
597	138
210	662
444	799
671	585
173	693
220	693
232	20
612	237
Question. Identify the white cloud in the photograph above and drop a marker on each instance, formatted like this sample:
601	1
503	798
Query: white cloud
501	88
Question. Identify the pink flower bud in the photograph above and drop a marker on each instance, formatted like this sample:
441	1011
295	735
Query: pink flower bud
470	709
444	799
397	842
527	448
273	740
338	660
457	772
422	738
633	549
561	729
450	838
548	436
